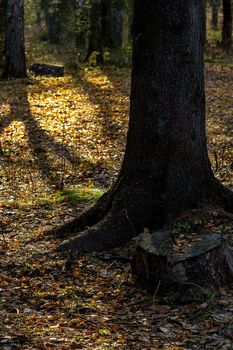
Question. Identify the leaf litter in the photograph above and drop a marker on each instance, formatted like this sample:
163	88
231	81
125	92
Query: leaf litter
62	141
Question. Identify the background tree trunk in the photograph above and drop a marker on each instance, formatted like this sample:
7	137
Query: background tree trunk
52	20
106	23
54	23
227	24
15	64
80	23
45	8
2	29
112	23
95	40
127	23
214	9
105	27
205	21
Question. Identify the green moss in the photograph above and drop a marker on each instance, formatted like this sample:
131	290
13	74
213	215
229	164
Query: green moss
77	195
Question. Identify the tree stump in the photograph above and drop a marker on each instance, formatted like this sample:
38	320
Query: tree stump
192	266
46	69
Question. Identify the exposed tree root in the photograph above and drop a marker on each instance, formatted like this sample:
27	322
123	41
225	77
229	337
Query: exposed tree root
121	214
114	229
87	219
224	196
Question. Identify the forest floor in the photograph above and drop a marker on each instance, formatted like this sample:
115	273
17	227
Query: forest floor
62	142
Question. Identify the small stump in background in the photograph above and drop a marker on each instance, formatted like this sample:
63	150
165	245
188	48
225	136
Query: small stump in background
46	69
191	266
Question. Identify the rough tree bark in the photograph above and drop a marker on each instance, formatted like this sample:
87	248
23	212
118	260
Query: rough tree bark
15	63
227	24
166	168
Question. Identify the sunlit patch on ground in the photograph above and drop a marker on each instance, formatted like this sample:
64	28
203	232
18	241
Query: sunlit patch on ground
61	130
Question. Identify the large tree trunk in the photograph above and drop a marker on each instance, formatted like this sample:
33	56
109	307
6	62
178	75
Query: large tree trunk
15	65
227	24
166	167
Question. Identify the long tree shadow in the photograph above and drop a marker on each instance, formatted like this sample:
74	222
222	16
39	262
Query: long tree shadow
105	98
42	145
120	80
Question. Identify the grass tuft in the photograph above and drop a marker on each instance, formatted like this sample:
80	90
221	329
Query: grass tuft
77	195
